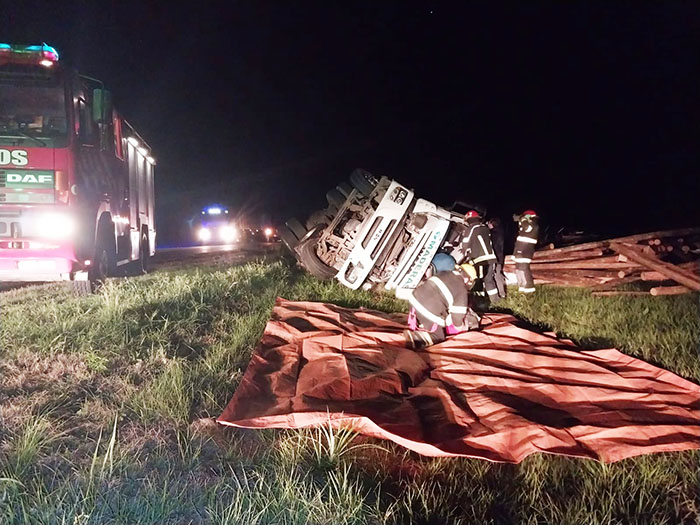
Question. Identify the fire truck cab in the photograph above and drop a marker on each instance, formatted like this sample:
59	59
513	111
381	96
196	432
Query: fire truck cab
76	180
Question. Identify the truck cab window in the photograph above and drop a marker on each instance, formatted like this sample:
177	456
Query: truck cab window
86	130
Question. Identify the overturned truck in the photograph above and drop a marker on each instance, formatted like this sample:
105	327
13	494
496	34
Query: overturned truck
374	233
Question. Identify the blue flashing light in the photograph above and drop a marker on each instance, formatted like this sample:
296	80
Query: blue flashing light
214	210
5	46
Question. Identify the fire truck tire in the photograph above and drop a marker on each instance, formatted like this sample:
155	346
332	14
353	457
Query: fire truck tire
309	259
363	181
104	263
144	254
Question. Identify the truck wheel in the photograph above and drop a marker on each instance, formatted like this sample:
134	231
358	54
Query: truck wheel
288	239
296	227
104	263
363	181
144	254
317	219
309	259
335	198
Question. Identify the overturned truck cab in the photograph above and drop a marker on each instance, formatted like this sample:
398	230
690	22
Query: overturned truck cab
374	233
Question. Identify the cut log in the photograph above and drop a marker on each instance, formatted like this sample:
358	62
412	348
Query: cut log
618	292
614	283
583	254
629	239
603	263
680	275
669	290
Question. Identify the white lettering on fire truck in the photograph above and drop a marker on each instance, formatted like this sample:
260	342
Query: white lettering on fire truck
16	157
29	178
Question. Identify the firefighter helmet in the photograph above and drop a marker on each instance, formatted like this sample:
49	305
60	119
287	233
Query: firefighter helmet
530	212
471	213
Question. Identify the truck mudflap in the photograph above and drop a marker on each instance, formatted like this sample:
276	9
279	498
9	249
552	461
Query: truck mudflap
417	259
375	235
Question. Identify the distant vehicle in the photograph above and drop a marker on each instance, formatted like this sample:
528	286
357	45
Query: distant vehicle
264	234
76	180
374	233
215	226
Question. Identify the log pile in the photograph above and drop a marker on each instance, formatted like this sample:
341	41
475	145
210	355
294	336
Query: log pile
662	263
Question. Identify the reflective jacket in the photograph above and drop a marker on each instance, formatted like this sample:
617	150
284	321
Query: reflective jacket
442	299
526	240
477	242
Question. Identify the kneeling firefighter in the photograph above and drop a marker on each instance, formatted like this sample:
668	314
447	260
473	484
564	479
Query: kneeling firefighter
439	307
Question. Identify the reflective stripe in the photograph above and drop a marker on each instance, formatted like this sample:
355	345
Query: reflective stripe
526	290
488	257
521	260
492	292
425	312
458	309
483	244
443	288
425	336
522	238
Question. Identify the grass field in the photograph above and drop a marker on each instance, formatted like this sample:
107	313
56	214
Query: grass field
107	405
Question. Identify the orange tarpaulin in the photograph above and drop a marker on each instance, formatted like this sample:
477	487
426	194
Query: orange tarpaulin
500	393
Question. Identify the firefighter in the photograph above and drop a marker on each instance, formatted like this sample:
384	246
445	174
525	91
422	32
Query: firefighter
476	245
439	307
498	241
524	249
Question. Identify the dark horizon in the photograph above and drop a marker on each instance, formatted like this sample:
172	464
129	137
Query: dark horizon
586	112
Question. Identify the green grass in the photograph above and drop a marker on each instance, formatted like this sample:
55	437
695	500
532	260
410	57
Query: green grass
106	407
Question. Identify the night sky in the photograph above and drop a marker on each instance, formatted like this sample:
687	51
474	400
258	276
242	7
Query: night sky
587	112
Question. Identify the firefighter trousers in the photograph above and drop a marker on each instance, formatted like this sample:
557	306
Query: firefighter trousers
500	280
524	277
487	272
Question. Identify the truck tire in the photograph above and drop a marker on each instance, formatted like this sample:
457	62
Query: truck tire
296	227
144	254
288	238
317	219
105	261
309	259
363	181
335	198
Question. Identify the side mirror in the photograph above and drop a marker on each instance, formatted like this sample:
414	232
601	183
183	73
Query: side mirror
101	106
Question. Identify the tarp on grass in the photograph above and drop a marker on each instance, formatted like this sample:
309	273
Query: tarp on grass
500	393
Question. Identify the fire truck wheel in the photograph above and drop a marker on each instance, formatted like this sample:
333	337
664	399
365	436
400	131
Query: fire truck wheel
363	181
104	263
309	259
144	254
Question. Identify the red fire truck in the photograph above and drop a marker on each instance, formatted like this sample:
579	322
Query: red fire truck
76	180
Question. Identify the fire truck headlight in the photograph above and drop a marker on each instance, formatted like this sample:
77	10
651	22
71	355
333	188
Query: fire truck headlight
204	234
56	225
228	233
268	232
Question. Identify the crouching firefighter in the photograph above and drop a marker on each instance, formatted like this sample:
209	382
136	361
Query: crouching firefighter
524	249
439	308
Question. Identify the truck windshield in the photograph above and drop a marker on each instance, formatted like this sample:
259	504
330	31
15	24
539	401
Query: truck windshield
32	114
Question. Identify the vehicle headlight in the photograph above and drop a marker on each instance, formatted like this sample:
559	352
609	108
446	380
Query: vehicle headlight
204	234
227	233
56	225
398	195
